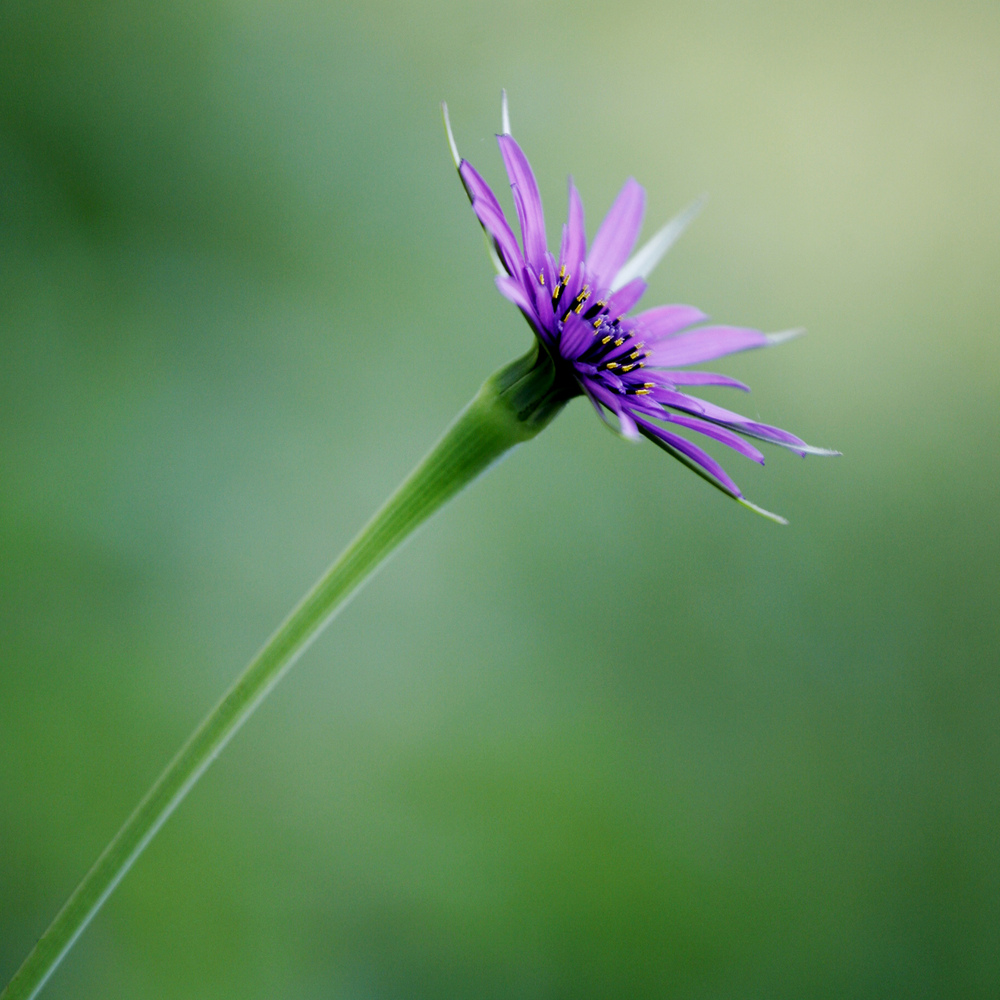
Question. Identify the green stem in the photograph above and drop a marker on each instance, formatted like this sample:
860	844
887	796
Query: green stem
512	406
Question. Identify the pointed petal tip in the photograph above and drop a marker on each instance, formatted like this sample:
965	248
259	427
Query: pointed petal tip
504	113
777	518
450	134
692	211
627	429
813	450
782	336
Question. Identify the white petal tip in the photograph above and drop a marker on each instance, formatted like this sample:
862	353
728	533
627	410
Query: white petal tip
822	452
650	254
784	335
504	113
777	518
451	137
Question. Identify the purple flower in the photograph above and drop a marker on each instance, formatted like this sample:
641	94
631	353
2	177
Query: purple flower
577	304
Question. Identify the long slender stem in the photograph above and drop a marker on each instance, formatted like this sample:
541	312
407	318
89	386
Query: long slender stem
511	407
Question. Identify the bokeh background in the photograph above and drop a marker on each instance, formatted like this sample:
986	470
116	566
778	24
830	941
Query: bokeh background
596	731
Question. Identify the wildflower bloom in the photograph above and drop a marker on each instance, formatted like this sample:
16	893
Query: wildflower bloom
577	304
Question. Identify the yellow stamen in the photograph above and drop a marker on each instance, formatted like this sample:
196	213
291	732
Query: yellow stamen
582	297
560	287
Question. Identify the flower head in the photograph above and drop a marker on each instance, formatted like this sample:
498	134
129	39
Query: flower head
578	305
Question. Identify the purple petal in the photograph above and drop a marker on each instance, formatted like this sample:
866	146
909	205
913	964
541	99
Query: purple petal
543	293
614	401
611	379
752	428
628	346
700	407
647	406
704	345
541	297
775	435
575	285
577	335
602	394
526	198
698	378
627	424
551	272
495	224
476	187
574	243
626	297
598	395
708	410
646	258
617	235
719	434
513	290
700	459
663	321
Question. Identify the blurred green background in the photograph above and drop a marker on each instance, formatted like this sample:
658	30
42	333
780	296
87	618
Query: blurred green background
596	731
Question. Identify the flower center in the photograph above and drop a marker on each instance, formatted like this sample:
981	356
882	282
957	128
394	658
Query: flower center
614	349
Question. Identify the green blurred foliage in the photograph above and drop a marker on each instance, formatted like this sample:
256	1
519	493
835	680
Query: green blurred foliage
596	731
